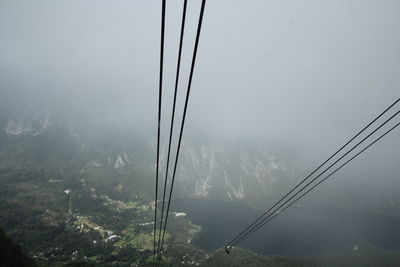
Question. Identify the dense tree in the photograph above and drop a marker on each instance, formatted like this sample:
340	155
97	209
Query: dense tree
11	254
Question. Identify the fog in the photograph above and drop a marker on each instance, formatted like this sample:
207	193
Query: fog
304	75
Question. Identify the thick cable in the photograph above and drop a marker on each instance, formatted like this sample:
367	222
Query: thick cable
275	214
159	121
249	228
313	180
183	120
318	168
172	117
305	193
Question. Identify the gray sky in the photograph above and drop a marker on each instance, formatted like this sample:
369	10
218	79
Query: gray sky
307	74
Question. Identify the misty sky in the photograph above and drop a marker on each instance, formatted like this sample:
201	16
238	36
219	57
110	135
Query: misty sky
308	74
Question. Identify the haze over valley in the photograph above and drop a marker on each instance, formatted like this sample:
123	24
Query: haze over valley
277	88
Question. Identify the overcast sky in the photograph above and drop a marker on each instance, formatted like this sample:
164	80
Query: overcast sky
308	74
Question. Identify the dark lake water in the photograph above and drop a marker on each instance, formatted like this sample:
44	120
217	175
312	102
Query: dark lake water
295	231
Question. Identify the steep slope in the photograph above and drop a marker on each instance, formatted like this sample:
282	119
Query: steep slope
216	171
11	254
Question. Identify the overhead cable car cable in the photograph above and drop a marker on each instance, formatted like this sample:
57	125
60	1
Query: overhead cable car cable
278	209
254	224
313	172
159	122
203	3
317	184
330	166
214	257
172	117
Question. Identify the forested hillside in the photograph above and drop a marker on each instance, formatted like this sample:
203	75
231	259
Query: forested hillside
11	254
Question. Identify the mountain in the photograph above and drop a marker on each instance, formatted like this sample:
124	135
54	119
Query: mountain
81	190
70	194
205	170
75	190
122	158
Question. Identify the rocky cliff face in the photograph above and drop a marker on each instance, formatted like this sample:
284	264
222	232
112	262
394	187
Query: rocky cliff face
231	172
23	120
217	171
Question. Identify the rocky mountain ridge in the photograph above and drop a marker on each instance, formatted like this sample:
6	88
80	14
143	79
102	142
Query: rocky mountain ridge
225	172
